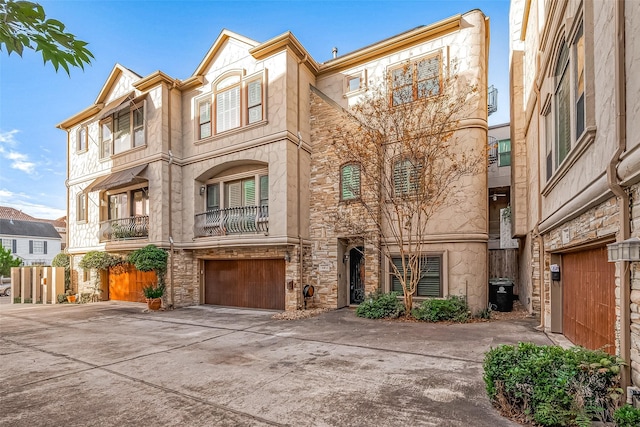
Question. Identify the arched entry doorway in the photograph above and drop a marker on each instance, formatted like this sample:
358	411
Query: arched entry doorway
356	275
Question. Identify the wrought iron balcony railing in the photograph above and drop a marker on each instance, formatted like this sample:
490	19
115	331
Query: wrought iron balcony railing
135	227
241	220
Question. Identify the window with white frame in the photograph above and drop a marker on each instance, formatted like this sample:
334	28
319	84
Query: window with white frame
82	139
565	115
430	283
37	246
504	152
123	130
10	244
416	80
237	101
81	207
238	192
129	203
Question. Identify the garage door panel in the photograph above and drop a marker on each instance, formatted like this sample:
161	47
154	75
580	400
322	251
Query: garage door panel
245	283
589	298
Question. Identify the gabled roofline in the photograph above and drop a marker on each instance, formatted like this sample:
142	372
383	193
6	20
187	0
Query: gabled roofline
400	41
113	76
223	37
284	41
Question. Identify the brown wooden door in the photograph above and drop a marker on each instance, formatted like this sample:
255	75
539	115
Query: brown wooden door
588	297
258	283
126	283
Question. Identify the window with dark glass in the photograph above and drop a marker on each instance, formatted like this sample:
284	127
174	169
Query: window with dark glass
430	283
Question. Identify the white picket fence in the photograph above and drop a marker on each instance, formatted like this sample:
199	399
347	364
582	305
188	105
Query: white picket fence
37	285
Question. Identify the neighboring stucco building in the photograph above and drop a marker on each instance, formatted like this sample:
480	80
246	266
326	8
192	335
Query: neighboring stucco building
575	167
225	169
34	242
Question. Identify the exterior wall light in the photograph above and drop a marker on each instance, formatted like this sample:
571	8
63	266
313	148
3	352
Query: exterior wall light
202	190
627	250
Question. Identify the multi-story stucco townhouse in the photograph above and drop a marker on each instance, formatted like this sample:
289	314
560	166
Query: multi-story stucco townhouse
228	170
576	168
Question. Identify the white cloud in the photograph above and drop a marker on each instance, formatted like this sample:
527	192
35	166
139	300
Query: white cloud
21	201
19	161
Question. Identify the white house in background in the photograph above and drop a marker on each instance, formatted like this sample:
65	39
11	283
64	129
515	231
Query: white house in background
36	243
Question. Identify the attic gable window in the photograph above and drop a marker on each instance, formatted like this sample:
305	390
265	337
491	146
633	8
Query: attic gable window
416	80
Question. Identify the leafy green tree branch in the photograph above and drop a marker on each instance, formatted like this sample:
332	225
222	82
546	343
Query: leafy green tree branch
23	24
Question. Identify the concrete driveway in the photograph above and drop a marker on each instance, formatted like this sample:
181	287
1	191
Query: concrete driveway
113	364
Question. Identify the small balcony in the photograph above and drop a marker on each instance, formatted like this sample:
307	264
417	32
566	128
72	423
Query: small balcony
223	222
135	227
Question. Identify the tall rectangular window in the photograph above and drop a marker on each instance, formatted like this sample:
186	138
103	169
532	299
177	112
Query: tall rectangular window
204	114
138	126
402	85
350	182
264	190
118	206
122	131
82	137
504	152
106	139
228	109
81	205
417	80
428	77
548	131
562	108
579	82
240	193
430	283
213	197
140	202
254	101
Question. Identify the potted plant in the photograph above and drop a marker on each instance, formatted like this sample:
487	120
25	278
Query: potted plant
153	294
151	258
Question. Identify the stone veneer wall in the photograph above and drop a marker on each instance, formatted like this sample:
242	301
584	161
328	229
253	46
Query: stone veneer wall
326	209
634	194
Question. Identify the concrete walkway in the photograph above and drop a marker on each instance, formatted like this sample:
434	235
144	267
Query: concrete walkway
113	364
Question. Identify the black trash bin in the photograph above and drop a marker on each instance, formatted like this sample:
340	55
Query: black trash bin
501	294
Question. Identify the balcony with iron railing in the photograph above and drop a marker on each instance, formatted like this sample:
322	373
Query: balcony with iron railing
240	220
135	227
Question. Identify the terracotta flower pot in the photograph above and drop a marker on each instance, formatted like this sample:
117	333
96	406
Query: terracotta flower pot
71	298
154	303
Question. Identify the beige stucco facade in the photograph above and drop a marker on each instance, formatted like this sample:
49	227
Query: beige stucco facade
569	199
282	145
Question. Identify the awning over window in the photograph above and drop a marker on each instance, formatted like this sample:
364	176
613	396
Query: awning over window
117	179
116	105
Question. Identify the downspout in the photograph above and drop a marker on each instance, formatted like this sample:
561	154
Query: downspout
300	266
170	204
614	183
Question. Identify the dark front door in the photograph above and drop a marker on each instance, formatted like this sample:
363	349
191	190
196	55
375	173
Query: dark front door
356	275
258	283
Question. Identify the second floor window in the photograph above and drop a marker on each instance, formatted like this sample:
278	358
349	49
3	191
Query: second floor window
82	139
236	101
123	130
238	193
350	182
406	177
81	203
37	247
127	204
10	244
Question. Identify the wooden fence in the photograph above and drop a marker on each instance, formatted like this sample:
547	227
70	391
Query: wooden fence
504	263
36	285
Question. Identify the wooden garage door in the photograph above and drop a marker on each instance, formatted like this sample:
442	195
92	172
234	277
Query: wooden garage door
245	283
588	297
126	283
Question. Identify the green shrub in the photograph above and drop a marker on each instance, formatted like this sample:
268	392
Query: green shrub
151	291
61	298
627	416
551	386
379	306
150	258
452	308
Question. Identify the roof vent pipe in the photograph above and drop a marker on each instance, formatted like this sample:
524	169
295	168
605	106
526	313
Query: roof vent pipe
335	52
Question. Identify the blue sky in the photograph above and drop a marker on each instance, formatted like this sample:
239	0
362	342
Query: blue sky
174	36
